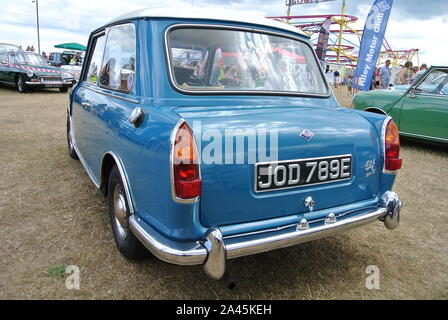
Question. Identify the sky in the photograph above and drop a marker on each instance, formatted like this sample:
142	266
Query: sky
413	23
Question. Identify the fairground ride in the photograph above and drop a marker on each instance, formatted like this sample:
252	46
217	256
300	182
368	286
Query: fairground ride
344	38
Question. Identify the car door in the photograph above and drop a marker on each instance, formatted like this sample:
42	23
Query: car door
106	97
3	66
82	101
8	71
425	107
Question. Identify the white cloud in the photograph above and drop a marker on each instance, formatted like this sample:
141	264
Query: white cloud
73	20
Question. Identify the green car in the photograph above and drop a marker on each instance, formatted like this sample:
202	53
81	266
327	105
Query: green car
420	111
26	70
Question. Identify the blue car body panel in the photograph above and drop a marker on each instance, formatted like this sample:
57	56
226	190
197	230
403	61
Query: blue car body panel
101	126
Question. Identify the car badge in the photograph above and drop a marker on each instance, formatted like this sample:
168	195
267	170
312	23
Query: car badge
307	135
309	203
370	167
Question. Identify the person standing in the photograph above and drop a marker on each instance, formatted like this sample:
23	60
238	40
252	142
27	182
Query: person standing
403	75
349	84
385	75
336	78
422	71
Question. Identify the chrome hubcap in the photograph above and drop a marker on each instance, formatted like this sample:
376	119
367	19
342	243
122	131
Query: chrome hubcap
20	83
121	217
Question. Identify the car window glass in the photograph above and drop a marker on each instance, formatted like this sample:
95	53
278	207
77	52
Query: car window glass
16	58
95	61
4	58
242	61
434	83
118	68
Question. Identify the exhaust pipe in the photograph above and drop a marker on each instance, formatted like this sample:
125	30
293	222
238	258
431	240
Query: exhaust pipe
230	283
393	204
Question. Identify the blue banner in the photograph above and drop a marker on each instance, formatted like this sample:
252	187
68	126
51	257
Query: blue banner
371	42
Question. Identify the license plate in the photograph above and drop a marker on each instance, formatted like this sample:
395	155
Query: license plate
270	176
52	85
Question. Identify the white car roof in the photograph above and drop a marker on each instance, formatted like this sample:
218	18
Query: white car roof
219	14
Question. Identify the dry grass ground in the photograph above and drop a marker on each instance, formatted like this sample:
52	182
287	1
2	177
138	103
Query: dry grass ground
52	215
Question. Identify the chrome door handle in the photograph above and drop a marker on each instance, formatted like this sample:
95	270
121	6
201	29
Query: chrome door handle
136	117
87	105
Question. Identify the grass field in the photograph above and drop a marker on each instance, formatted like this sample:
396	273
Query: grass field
52	216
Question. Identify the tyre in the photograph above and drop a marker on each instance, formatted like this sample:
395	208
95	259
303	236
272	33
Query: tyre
119	214
63	89
71	146
21	85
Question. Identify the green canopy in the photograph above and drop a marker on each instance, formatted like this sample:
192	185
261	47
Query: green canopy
71	46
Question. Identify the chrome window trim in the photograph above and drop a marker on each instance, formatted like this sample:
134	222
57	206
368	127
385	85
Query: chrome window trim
107	31
240	92
423	136
304	185
383	138
98	90
172	140
84	73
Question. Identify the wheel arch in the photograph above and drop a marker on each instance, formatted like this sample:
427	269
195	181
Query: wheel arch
376	110
110	159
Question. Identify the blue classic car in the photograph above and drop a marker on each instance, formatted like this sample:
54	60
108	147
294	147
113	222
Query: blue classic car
214	135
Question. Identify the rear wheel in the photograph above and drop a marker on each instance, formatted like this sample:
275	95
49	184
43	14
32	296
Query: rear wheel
21	85
71	146
63	89
119	214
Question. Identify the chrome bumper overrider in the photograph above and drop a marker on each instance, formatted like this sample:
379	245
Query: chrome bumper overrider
213	250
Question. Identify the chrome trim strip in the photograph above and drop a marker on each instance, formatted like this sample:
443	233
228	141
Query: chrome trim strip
124	178
241	92
303	185
97	90
423	136
172	138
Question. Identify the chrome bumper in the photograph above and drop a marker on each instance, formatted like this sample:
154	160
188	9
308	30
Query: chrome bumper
55	84
212	251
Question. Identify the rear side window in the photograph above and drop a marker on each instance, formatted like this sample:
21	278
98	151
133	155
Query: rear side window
118	68
4	58
95	61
